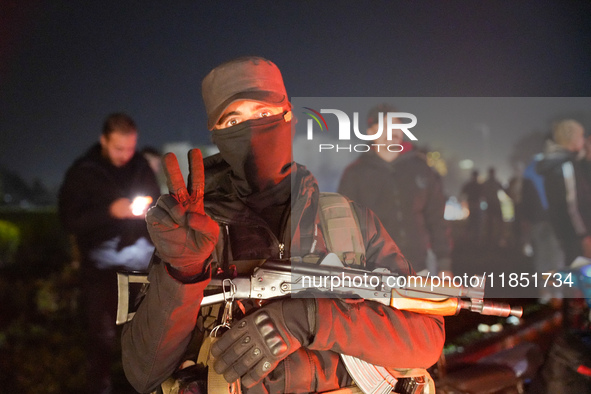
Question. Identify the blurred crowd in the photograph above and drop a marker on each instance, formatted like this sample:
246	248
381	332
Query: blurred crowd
551	196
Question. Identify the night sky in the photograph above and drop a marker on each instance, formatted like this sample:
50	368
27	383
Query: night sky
64	66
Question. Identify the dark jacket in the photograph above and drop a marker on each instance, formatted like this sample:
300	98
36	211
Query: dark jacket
91	184
564	176
407	195
155	341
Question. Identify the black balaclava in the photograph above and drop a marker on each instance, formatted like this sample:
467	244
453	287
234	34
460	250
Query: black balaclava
258	152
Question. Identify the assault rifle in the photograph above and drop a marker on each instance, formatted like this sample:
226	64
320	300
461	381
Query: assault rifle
329	278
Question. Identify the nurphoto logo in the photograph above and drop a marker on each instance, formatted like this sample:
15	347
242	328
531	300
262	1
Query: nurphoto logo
382	136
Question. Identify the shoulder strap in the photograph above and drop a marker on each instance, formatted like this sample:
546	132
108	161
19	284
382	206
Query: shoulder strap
340	227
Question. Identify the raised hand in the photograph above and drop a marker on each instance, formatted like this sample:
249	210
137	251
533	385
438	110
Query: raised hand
183	234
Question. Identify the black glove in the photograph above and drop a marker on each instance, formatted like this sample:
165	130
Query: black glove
183	234
254	346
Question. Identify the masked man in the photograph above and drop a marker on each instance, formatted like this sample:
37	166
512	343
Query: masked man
258	204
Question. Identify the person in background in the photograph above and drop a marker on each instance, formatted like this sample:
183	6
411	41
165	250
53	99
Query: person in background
568	188
472	194
405	193
568	191
493	216
102	203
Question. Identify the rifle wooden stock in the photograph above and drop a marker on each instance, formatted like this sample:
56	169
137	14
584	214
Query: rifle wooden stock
439	307
452	306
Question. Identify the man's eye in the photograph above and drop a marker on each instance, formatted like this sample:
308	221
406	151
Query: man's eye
264	114
232	122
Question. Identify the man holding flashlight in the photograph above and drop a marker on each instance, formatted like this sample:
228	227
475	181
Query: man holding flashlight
102	203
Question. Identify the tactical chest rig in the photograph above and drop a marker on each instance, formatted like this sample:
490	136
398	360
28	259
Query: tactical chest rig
342	235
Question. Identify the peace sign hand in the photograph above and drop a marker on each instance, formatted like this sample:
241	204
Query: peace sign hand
183	234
